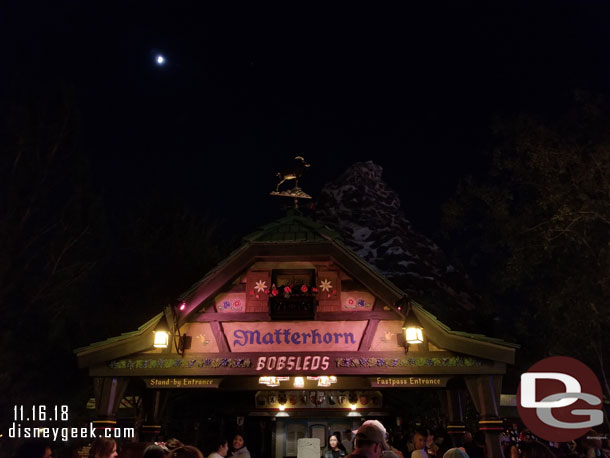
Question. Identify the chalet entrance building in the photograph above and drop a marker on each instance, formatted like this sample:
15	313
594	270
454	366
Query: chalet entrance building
293	335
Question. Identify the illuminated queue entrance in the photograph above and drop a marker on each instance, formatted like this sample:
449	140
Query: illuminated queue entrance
295	331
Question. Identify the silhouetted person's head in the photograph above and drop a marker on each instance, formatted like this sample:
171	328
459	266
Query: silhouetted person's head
154	451
419	439
34	448
103	448
173	444
186	452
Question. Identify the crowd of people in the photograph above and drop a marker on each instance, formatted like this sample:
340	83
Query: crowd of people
173	448
371	440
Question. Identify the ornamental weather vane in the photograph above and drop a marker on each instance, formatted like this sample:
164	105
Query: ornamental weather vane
293	173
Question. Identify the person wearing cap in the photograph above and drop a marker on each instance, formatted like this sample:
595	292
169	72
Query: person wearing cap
380	431
369	442
456	452
388	451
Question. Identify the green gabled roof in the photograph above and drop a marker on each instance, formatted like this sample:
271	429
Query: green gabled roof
292	228
125	335
369	267
253	251
297	235
463	342
296	228
447	329
116	347
234	254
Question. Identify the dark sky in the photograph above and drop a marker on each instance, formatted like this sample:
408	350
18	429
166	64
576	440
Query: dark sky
244	89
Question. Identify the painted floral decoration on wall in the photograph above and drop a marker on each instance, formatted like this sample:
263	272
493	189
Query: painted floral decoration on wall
236	305
356	302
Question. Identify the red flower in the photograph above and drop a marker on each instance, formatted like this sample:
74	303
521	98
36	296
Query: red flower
274	292
252	293
266	291
335	292
287	289
315	290
304	288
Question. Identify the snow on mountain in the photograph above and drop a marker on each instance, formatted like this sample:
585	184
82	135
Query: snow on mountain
366	212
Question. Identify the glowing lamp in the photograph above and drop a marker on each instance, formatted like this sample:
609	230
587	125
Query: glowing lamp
264	380
161	339
299	382
414	335
273	381
353	406
413	329
333	379
324	381
182	305
282	407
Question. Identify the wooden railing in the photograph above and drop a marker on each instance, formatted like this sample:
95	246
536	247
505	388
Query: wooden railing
295	307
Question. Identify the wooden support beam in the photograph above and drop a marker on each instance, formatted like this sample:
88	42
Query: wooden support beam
369	334
321	316
485	393
108	394
219	335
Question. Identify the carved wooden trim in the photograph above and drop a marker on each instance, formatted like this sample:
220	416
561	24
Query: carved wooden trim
320	316
219	335
231	316
255	252
358	316
369	334
238	364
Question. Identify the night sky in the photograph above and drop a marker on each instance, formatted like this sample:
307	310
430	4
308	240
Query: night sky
419	90
242	90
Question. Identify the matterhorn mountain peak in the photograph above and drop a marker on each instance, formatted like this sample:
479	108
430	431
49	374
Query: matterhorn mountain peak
361	207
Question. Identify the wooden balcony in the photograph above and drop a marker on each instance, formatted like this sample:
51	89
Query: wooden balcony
295	307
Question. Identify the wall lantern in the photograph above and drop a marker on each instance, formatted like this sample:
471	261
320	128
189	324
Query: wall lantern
161	339
413	328
162	334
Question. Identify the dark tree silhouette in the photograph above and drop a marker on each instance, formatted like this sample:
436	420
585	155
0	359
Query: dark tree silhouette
535	233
